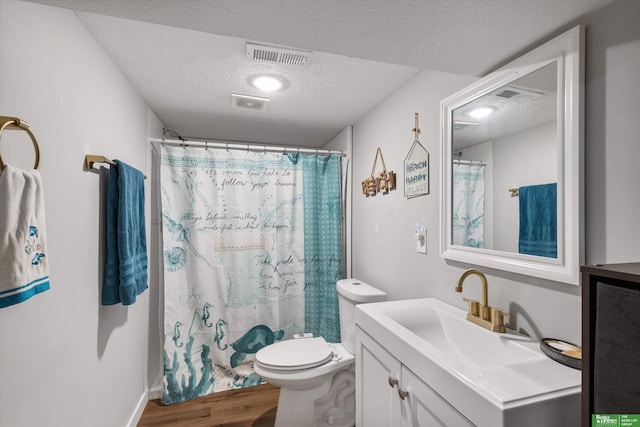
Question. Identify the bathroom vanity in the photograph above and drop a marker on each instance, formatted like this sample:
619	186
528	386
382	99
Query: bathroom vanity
390	385
420	362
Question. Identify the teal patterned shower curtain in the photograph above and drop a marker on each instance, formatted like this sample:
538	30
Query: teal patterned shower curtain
252	247
468	204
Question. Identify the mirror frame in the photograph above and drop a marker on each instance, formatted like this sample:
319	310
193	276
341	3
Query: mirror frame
567	49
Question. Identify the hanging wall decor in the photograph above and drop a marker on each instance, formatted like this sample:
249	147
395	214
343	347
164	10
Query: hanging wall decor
383	183
416	167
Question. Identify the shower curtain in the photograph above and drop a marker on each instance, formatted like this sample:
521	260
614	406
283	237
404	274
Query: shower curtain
252	247
468	204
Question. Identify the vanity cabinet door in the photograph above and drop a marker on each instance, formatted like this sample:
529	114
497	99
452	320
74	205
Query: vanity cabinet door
610	337
422	406
377	382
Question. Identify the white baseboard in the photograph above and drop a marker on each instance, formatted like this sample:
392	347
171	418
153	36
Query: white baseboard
137	413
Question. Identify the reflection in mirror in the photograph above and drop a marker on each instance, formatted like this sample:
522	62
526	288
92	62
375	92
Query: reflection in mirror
508	140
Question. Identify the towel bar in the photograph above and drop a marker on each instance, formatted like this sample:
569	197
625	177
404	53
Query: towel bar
90	159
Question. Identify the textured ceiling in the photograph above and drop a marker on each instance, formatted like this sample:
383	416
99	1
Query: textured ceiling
187	76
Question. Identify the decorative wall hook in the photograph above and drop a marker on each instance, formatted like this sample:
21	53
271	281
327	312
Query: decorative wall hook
416	129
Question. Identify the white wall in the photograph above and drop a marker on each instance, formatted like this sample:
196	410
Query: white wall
65	360
612	123
156	295
383	242
384	249
344	142
529	157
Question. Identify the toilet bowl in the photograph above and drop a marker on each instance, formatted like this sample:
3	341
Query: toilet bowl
316	378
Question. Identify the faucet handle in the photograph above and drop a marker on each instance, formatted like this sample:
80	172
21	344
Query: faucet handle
498	315
474	306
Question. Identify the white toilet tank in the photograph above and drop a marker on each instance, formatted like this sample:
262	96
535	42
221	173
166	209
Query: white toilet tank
352	292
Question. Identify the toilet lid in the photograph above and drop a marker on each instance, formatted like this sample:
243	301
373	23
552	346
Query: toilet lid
294	354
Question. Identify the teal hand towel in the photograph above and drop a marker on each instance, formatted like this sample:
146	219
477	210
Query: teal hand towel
126	262
111	284
538	220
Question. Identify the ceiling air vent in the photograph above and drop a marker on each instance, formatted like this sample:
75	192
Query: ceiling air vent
249	102
277	55
517	94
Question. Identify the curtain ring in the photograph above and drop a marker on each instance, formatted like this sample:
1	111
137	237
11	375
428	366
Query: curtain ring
227	146
206	146
19	124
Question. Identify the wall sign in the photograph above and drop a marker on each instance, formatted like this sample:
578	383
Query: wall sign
416	168
383	183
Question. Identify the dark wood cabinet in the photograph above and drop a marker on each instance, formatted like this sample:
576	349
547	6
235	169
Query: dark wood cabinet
610	339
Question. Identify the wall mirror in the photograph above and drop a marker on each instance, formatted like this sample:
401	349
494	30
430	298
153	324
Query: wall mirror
511	185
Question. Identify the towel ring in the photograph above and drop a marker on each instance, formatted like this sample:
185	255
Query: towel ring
16	123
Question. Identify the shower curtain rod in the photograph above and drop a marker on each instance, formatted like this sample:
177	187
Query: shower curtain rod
241	146
470	162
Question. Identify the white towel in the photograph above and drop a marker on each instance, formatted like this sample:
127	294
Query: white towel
24	270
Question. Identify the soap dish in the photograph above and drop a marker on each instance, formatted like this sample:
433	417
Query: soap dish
563	352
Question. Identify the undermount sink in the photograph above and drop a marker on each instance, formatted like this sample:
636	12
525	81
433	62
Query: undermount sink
489	377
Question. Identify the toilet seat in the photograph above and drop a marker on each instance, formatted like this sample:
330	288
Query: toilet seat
295	354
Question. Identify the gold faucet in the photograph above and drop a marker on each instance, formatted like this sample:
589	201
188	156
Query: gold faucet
482	314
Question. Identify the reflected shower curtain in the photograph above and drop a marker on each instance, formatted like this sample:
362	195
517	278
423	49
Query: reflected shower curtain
468	204
252	247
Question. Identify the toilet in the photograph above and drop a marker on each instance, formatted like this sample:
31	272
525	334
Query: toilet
316	378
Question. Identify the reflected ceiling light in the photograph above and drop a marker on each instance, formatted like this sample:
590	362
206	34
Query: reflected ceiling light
480	112
268	82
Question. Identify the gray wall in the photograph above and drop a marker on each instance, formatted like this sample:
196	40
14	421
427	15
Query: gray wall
344	142
383	245
612	128
66	360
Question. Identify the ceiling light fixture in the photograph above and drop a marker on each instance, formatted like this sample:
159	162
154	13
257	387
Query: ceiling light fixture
268	82
480	112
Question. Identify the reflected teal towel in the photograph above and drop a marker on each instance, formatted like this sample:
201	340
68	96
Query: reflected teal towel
538	220
126	264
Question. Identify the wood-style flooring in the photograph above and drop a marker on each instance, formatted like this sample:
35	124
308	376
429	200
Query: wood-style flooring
247	407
